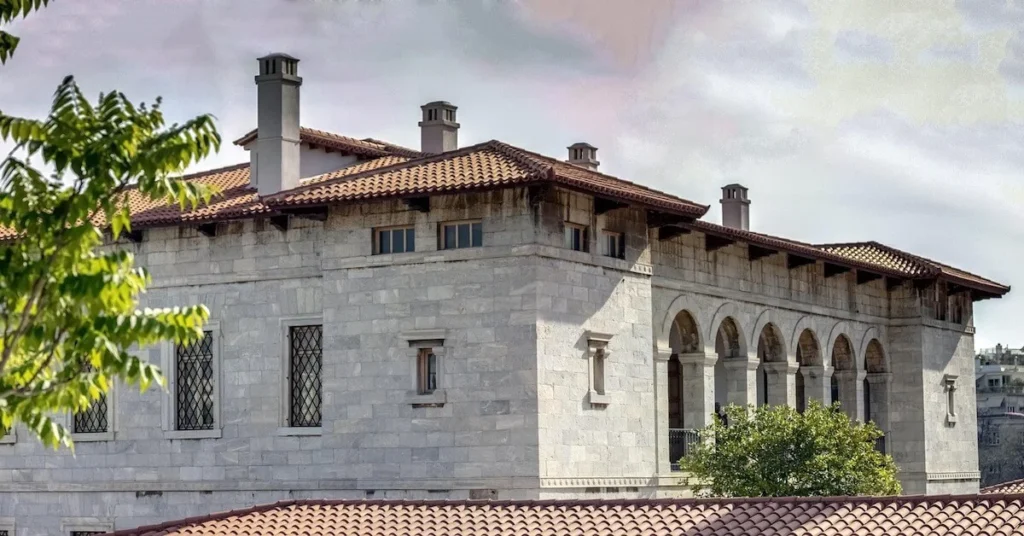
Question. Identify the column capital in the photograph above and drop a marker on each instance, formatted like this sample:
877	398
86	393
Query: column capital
699	358
741	363
782	367
878	377
818	371
662	353
857	375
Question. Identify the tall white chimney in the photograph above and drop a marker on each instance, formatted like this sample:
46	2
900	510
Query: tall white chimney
583	154
439	131
735	207
276	166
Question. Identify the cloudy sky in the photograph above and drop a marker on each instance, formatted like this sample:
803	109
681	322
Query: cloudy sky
901	122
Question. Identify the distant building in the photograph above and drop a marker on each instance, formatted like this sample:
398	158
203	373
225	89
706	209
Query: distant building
999	381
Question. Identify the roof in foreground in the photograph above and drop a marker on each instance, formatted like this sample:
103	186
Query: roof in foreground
905	516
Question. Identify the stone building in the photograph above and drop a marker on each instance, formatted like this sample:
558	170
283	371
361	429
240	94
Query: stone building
485	322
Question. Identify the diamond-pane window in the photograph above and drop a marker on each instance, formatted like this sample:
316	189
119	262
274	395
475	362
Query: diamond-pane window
94	419
306	358
194	385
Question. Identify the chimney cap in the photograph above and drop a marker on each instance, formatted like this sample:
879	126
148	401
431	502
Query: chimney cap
735	185
581	145
282	55
439	104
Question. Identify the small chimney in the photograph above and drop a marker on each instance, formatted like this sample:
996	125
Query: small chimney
735	207
583	154
439	132
276	163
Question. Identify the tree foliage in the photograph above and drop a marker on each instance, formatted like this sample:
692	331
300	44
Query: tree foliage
10	10
774	451
68	302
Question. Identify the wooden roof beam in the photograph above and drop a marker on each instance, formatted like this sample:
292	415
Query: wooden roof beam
832	270
715	243
796	261
669	232
755	253
602	205
867	277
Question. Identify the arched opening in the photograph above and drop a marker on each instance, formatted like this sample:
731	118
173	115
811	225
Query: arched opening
876	389
685	385
844	380
808	355
769	350
727	346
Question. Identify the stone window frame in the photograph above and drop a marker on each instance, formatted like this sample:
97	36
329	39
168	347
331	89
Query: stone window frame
7	524
443	245
597	365
949	387
85	524
286	323
168	360
620	241
391	228
69	420
419	340
567	239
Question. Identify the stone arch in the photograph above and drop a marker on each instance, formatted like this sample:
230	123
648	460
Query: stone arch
684	334
729	337
840	328
683	302
771	347
808	351
843	357
766	318
806	322
874	357
869	335
728	311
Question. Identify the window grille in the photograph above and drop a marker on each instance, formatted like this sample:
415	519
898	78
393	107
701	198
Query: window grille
92	420
194	384
306	351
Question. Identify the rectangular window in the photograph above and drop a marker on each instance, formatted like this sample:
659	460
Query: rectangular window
599	371
397	240
306	359
462	235
575	237
613	245
426	371
194	385
94	419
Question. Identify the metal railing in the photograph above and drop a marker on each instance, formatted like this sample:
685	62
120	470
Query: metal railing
681	441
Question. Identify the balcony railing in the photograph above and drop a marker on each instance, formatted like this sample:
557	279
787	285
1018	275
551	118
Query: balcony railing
681	441
880	445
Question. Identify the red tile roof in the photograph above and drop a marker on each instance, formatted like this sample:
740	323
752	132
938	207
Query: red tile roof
866	256
904	516
882	255
1013	486
361	147
491	164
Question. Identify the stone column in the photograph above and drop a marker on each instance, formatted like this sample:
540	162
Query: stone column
881	383
851	393
661	445
782	383
698	388
817	384
742	375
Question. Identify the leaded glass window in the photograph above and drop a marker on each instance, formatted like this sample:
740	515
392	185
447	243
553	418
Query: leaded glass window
306	359
194	384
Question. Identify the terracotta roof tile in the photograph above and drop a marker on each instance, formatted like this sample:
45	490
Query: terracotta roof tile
1013	486
487	165
913	265
996	514
362	147
867	256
